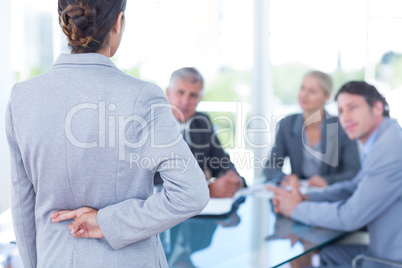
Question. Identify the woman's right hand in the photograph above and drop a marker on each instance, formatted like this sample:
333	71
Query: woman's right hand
85	224
317	181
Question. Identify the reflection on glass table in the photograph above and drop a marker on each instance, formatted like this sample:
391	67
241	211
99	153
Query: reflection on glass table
8	249
252	236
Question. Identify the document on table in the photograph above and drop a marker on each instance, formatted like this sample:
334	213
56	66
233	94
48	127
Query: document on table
218	206
6	228
305	188
257	190
221	206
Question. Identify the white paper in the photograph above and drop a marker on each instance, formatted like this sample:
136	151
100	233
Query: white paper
305	188
257	190
218	206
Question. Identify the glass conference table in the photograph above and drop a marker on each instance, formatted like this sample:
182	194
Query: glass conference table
251	235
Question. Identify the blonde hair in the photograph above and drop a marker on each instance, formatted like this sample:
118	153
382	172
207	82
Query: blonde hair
323	79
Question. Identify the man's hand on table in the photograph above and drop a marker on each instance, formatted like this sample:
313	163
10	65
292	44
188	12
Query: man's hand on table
285	201
226	185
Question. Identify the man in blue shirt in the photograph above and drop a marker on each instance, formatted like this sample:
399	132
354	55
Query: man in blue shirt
373	198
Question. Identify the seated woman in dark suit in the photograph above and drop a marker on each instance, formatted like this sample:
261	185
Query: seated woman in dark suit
318	148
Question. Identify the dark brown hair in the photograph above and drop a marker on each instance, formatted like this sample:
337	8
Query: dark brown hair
86	23
368	92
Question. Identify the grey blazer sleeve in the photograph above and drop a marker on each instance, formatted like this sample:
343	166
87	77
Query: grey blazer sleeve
22	199
376	191
273	167
185	191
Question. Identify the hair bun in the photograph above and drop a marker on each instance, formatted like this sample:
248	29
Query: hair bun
78	24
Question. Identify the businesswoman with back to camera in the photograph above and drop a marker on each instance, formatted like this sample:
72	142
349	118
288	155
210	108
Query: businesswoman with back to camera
318	148
80	195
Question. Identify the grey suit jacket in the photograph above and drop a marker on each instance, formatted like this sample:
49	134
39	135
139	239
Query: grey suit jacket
340	154
373	198
86	134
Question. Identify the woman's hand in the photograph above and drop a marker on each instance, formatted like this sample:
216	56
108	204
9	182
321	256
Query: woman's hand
85	222
317	181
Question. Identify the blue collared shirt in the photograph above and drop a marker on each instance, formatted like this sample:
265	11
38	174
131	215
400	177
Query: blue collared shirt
367	146
311	163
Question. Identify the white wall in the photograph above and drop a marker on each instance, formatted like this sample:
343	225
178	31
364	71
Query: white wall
6	81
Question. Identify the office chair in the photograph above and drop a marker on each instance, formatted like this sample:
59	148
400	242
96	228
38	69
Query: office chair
375	262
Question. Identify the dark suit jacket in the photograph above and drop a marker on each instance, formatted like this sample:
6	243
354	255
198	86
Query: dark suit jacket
206	148
345	162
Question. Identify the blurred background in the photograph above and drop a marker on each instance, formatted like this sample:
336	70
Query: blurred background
252	54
